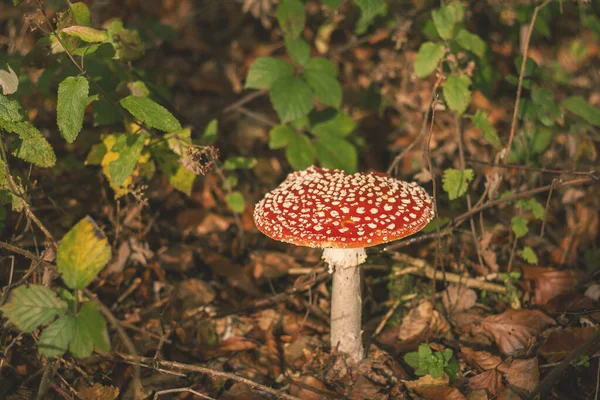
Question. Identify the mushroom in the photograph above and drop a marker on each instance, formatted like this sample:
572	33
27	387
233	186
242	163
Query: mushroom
343	214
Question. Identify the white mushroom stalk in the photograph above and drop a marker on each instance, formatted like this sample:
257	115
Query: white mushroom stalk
343	214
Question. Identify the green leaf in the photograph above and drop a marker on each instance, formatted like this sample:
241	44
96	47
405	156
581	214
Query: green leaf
456	182
482	122
456	92
86	33
82	254
471	42
81	14
332	3
531	67
331	122
412	359
578	106
9	81
444	20
280	136
235	200
90	316
102	50
183	180
17	2
82	343
326	87
519	226
369	10
72	101
546	109
532	205
179	177
238	162
300	152
30	307
6	195
127	43
55	339
447	355
428	58
424	351
151	113
321	64
31	146
337	153
529	255
292	98
104	113
10	110
210	132
298	49
291	17
128	147
265	71
436	371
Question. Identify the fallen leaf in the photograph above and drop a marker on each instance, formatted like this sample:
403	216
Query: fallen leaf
237	275
524	374
593	292
422	320
179	257
571	303
513	329
458	298
491	381
98	392
267	319
440	393
549	282
483	360
309	388
427	381
194	293
477	395
561	342
237	343
271	265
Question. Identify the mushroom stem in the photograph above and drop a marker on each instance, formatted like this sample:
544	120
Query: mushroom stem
346	301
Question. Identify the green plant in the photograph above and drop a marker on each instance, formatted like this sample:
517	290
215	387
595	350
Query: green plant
425	361
80	327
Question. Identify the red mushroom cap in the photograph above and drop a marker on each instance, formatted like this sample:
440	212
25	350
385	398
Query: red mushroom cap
327	208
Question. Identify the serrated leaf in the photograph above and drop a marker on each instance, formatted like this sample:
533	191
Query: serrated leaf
280	136
292	98
31	146
55	339
291	17
321	64
127	43
82	254
30	307
424	351
532	205
151	113
428	58
9	81
238	162
128	148
86	33
528	254
300	152
82	343
369	10
331	122
70	107
456	182
298	49
412	359
519	226
102	50
457	93
10	110
210	132
578	106
471	42
482	122
265	71
6	195
235	200
444	20
336	153
81	14
326	87
90	316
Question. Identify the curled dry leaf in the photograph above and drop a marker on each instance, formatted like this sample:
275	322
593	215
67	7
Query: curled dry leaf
427	381
458	298
483	360
98	392
440	393
561	342
237	343
524	374
309	388
513	329
421	321
549	282
271	264
273	354
490	381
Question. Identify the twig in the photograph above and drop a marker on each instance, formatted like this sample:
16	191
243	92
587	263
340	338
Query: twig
390	312
513	125
205	370
244	100
181	390
554	181
590	173
422	268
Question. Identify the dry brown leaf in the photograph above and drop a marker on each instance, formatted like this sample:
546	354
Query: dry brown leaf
194	293
561	342
440	393
477	395
309	388
549	282
483	360
458	298
491	381
427	381
237	343
513	329
273	354
179	257
237	275
271	264
98	392
524	374
420	321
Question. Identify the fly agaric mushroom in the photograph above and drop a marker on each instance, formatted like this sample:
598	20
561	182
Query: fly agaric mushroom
343	214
